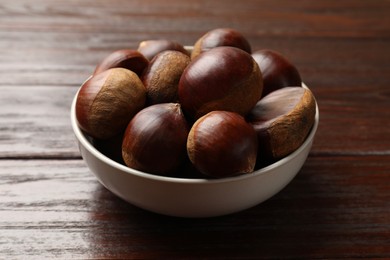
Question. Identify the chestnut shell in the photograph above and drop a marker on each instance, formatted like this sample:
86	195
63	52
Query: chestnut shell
155	139
125	58
161	77
223	78
282	121
151	48
278	72
220	37
222	144
107	101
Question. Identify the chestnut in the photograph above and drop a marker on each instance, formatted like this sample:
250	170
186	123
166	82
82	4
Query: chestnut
125	58
223	78
107	101
220	37
277	71
282	120
162	76
222	144
155	139
151	48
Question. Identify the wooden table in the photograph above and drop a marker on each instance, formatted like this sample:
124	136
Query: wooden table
51	205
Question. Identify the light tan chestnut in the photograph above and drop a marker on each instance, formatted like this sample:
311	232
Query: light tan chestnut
155	139
222	144
107	101
161	78
151	48
282	120
125	58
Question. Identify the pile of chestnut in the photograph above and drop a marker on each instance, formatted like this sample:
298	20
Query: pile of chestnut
216	110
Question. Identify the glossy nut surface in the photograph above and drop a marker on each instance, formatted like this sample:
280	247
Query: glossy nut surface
277	71
222	144
155	139
151	48
224	78
125	58
220	37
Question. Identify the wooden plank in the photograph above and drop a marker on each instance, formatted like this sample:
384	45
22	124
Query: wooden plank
333	44
353	120
335	207
35	122
285	17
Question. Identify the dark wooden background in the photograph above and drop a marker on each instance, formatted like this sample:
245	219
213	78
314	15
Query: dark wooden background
51	206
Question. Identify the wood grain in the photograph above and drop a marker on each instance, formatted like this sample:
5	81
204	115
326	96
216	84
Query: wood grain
57	208
35	122
53	42
51	205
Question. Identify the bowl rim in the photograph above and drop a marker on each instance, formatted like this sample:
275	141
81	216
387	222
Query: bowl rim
262	171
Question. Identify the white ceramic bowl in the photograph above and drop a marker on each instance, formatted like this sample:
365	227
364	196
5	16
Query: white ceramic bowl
192	197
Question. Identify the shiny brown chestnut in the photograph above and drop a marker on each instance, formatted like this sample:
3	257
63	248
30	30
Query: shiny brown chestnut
223	78
222	144
277	71
125	58
162	76
155	139
151	48
282	121
107	101
220	37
